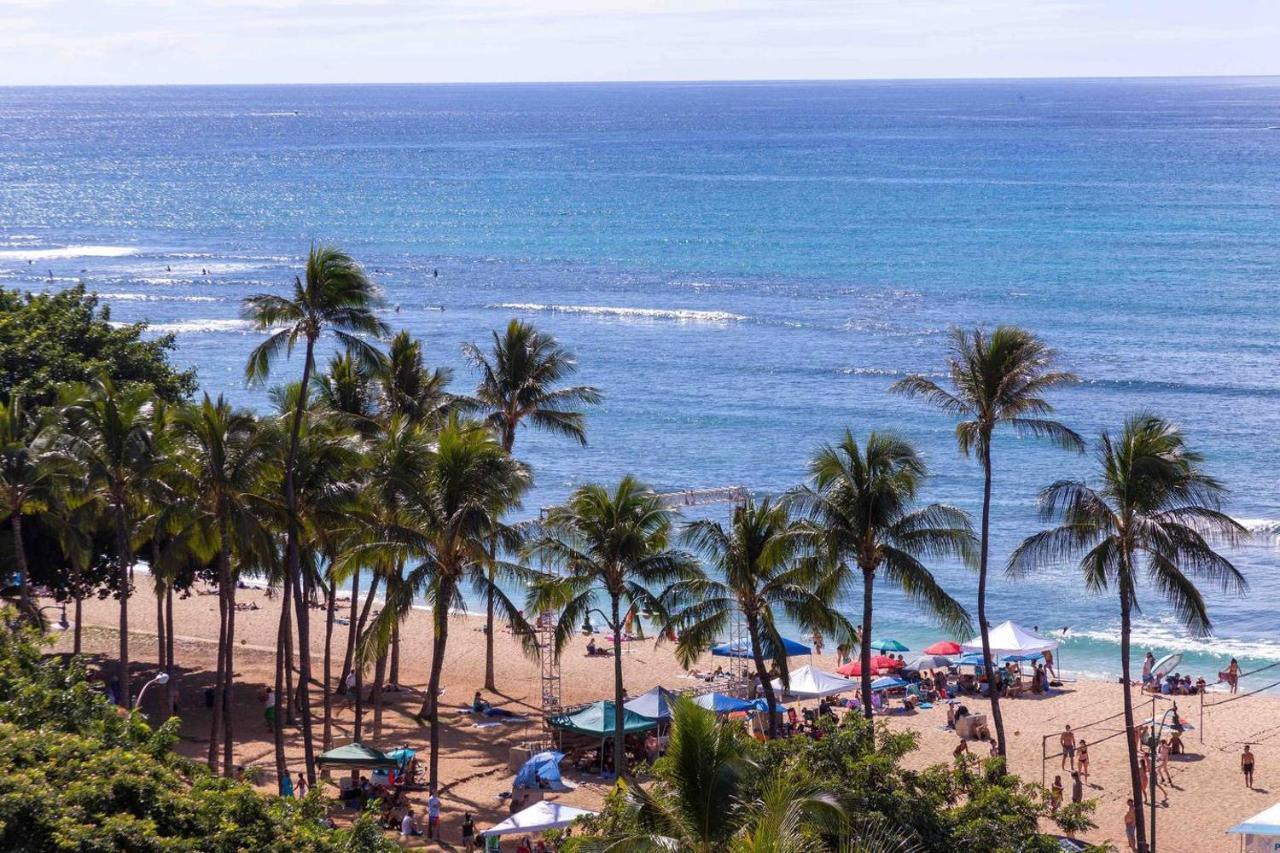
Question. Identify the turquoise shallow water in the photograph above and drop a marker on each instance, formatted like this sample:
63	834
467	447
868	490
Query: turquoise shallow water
743	268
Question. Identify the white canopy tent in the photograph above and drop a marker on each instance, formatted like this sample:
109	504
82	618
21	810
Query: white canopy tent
539	817
807	682
1260	832
1010	638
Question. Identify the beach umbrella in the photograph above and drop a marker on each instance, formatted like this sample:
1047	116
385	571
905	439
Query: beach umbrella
854	669
929	662
878	662
1167	663
888	646
888	682
943	647
762	706
1021	658
742	649
1183	725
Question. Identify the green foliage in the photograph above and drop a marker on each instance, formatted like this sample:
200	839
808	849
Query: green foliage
77	773
47	339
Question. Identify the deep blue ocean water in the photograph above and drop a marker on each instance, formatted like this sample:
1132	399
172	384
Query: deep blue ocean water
744	268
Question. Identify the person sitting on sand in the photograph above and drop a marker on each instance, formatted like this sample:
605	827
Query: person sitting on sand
962	748
408	826
591	647
478	704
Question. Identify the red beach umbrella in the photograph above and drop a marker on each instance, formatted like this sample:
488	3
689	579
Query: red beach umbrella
878	663
943	647
854	669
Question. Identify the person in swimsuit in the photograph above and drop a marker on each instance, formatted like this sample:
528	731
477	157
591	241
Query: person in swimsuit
1082	760
1131	825
1068	741
1163	752
1246	765
1233	675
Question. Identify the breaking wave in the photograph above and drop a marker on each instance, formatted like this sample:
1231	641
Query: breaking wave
678	315
67	252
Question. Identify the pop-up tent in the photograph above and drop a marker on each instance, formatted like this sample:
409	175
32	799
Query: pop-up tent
742	649
1260	832
722	703
597	719
1010	638
356	755
539	817
656	704
810	683
543	767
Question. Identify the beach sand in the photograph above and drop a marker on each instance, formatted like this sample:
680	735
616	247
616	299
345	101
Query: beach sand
1207	797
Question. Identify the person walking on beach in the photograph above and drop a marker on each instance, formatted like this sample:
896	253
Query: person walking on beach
433	815
468	831
1162	770
302	788
1246	766
1068	741
1048	664
1144	771
1131	825
1233	675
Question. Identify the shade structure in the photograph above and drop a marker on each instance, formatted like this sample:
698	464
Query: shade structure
598	719
886	645
539	817
929	662
656	704
742	648
1165	665
722	703
809	683
1022	658
878	663
543	767
888	682
944	647
761	706
356	755
1010	638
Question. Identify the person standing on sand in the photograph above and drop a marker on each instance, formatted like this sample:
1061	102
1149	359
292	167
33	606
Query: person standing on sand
1233	675
1147	663
269	710
468	831
1048	663
1068	741
1162	770
433	815
1077	788
1144	771
1082	760
1131	825
1055	794
1246	766
302	787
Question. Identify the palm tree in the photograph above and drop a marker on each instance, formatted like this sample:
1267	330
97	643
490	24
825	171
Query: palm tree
338	297
228	460
455	513
860	511
33	469
701	802
996	380
756	557
611	543
109	428
1151	511
520	381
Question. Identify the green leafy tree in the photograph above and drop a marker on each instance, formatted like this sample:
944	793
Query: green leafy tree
49	339
756	571
336	296
614	544
997	380
1152	510
860	516
521	382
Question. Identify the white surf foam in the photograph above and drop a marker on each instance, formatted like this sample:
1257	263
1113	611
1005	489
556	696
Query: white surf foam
1168	635
150	297
678	315
67	252
244	327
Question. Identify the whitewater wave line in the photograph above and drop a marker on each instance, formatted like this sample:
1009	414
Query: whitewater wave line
677	314
68	252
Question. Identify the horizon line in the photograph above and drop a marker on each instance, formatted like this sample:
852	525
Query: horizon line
654	82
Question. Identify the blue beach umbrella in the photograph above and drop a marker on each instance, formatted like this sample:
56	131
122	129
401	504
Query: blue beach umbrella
889	682
888	646
742	649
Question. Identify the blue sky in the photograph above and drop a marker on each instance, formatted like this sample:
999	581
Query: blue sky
351	41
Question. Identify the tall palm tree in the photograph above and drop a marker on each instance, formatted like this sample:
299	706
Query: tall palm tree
1152	511
471	482
520	380
996	380
228	460
334	295
109	428
33	468
614	544
700	801
757	571
860	515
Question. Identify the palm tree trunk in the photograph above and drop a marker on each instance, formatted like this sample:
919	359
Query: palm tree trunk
490	679
357	725
619	715
301	594
1135	779
395	656
352	622
290	667
282	636
868	591
440	615
379	673
122	568
762	672
75	643
993	682
20	557
357	625
330	601
220	673
170	686
229	683
161	630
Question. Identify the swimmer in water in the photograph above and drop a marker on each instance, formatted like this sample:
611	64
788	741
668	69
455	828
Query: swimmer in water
435	273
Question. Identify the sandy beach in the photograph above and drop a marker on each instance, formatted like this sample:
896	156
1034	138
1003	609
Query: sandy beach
1207	797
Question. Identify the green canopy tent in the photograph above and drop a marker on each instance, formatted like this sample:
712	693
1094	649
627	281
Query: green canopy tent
356	756
597	721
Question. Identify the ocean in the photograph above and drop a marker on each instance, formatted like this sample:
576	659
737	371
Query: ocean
742	268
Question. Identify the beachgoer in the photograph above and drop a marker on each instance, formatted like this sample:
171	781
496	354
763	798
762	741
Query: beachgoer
961	749
1144	771
1147	663
286	785
591	646
651	747
349	688
433	815
1048	663
302	787
1077	787
1055	793
525	845
1068	741
1233	675
269	710
1163	751
817	642
1131	824
1082	759
1246	766
409	827
478	704
468	830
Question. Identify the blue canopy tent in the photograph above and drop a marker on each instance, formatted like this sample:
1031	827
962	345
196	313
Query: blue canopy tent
722	704
1023	658
541	768
656	704
742	648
